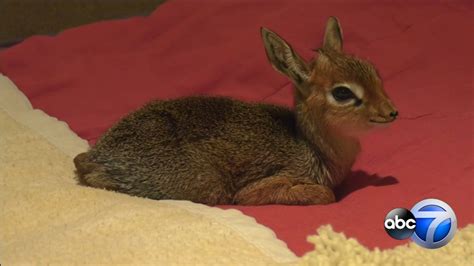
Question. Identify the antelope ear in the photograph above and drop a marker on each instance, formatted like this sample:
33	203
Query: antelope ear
333	35
283	58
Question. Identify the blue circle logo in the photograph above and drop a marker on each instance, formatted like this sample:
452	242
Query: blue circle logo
436	223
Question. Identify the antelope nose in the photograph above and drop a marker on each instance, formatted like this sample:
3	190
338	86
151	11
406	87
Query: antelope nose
394	114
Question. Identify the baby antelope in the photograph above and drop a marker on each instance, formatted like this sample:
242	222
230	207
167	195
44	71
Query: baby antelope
216	150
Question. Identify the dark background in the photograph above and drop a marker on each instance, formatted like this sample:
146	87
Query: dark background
20	19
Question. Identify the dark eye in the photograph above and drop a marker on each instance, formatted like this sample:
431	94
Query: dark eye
342	94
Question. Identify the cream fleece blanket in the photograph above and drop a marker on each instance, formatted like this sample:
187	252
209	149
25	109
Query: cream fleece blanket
45	218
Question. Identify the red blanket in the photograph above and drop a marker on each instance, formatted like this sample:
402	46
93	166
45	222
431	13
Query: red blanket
92	75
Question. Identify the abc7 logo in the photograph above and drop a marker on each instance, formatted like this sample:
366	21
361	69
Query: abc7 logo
431	223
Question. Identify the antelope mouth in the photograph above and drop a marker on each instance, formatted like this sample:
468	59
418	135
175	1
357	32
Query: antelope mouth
381	121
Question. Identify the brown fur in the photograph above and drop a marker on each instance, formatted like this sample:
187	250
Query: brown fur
284	190
216	150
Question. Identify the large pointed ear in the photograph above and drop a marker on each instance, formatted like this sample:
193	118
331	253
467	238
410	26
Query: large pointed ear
283	58
333	35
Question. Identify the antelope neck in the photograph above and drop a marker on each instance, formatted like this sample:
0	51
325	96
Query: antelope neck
335	152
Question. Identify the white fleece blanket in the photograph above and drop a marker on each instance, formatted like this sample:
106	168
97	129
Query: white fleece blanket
47	219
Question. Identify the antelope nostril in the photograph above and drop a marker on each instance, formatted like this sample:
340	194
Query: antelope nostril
394	114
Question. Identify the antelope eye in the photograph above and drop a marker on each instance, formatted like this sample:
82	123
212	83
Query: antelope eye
342	93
